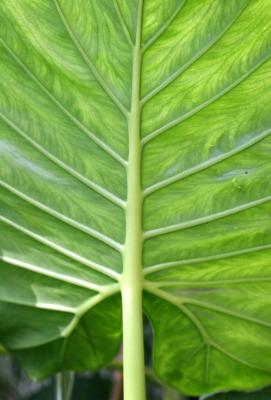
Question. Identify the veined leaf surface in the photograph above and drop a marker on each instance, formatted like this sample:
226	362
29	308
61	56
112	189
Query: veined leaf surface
135	140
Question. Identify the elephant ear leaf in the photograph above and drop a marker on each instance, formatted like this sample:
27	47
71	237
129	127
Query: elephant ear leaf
135	140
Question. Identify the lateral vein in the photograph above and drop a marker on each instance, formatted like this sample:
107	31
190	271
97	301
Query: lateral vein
205	104
85	181
90	303
176	74
207	340
89	63
93	136
41	306
61	217
204	220
163	266
163	28
206	164
50	274
123	23
68	253
191	284
226	311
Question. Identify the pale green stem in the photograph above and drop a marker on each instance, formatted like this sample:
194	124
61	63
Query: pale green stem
64	385
169	393
132	279
149	375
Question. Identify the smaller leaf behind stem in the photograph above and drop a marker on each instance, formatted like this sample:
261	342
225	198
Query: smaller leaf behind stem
170	394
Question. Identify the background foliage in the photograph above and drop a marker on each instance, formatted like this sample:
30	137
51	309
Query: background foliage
103	385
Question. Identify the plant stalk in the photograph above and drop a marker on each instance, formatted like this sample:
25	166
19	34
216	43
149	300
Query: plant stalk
64	382
132	279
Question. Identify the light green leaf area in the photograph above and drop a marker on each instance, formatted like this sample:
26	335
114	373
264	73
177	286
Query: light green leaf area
67	134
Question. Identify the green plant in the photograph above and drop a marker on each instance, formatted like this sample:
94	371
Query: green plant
135	157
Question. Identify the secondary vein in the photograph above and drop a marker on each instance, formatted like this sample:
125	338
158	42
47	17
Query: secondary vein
89	63
164	128
206	164
62	250
63	218
176	74
203	220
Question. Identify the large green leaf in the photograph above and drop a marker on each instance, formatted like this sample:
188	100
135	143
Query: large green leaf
76	98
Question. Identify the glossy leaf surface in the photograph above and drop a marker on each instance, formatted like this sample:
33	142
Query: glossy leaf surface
67	71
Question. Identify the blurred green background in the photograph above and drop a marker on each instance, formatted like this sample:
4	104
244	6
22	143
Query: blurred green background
103	385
